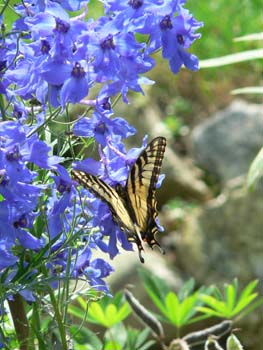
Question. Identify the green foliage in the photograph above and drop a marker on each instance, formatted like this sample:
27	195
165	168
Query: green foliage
232	343
137	339
10	16
230	304
223	22
109	313
175	110
106	312
178	309
85	339
174	124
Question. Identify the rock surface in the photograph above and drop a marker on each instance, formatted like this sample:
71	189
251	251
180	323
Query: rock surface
223	240
226	144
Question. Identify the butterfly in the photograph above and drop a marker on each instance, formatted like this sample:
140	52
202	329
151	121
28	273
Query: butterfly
133	207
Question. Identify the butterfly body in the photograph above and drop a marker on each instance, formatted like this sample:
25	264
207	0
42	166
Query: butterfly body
133	207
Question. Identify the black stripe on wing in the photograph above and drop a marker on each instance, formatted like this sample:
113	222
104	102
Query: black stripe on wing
115	202
141	186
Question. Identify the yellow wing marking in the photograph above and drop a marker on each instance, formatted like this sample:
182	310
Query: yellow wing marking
133	207
141	186
107	194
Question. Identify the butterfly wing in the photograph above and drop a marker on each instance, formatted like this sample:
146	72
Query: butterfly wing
115	202
141	186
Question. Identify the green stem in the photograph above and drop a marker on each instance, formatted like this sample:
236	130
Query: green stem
2	108
4	7
59	320
36	327
54	115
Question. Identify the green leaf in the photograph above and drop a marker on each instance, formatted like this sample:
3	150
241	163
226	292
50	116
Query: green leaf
255	172
156	285
137	339
86	337
231	305
231	294
209	311
82	302
117	334
9	15
188	309
198	318
76	311
215	304
243	303
111	314
248	289
252	307
159	303
141	337
118	298
111	344
107	311
96	314
146	345
186	289
217	293
172	308
124	312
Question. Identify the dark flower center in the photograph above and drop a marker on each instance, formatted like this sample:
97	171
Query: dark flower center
45	46
61	26
106	104
100	128
63	187
108	43
135	4
17	113
3	177
78	71
21	222
14	154
2	65
166	23
180	39
82	268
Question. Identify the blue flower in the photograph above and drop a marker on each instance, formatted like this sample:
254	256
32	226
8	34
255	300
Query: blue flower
74	80
95	270
131	15
105	45
175	35
128	76
7	259
57	206
102	128
15	223
18	209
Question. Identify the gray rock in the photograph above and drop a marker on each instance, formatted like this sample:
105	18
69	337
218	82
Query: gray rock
226	144
222	241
